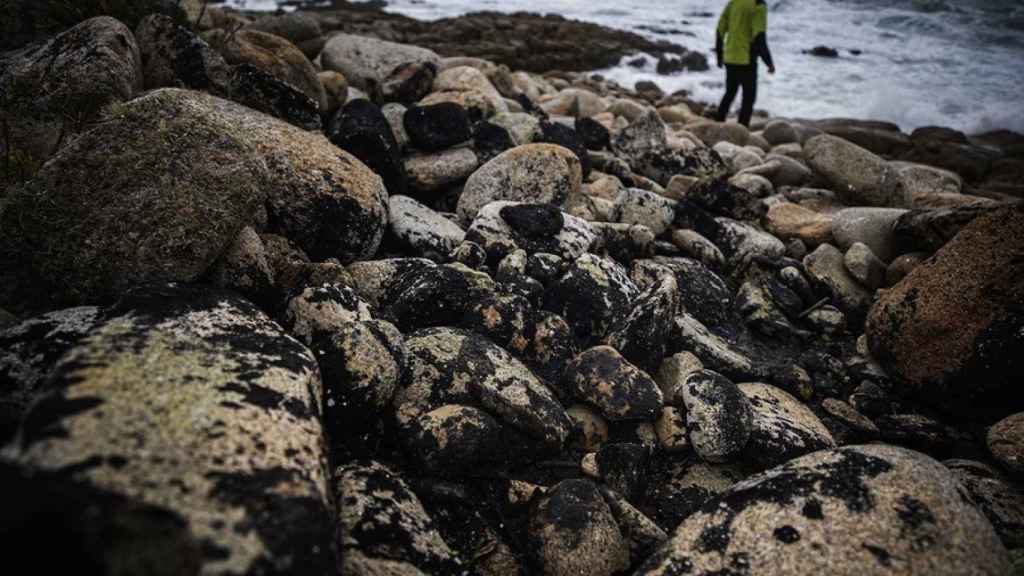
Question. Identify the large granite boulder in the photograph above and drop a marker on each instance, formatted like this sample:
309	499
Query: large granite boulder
859	177
54	89
951	330
859	510
193	400
534	173
179	183
272	54
367	61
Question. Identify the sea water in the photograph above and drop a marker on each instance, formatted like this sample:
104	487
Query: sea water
917	62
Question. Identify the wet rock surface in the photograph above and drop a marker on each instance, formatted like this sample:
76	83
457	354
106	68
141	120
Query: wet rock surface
855	498
225	371
449	315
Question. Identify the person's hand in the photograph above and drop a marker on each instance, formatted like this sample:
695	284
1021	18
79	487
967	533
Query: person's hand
771	69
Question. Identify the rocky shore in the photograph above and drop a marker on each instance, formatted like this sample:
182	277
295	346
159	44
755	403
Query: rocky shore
338	293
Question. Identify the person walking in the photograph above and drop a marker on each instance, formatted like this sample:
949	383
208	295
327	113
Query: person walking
740	41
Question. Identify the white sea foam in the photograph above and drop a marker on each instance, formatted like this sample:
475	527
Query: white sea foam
922	62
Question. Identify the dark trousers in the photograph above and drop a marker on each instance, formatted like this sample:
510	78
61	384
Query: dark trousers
737	76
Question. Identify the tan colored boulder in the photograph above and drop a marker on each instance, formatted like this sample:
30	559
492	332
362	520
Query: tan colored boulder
272	54
788	221
951	329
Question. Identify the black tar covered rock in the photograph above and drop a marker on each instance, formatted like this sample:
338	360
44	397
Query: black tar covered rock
437	126
489	140
556	133
262	91
592	295
361	129
436	296
593	134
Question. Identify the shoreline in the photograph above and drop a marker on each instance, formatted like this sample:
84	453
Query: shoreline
635	50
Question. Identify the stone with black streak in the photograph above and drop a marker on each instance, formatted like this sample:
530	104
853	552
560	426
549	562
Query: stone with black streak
621	391
319	311
362	364
260	90
678	487
719	416
383	527
30	350
361	129
501	227
642	336
572	530
592	294
552	348
225	432
998	498
702	292
858	510
781	427
636	206
426	232
507	319
456	367
662	165
273	55
538	173
716	352
436	296
376	280
643	534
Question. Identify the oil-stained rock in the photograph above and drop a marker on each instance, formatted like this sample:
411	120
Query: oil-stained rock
362	364
642	336
952	328
436	296
30	350
456	367
573	531
536	173
592	294
502	226
621	391
781	427
319	311
719	416
383	527
190	398
855	510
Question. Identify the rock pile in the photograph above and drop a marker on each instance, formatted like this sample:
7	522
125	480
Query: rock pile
303	305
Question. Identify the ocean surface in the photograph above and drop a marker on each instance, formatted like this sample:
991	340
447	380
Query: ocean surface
920	62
